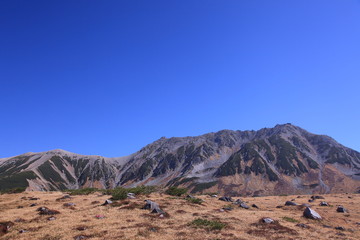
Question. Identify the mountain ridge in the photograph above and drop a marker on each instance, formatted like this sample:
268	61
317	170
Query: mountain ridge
285	158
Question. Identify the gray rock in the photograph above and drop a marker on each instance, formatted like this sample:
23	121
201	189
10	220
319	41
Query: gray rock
226	199
131	196
244	205
254	206
153	206
190	196
323	203
341	209
290	203
108	201
340	228
267	220
317	197
214	196
302	225
310	213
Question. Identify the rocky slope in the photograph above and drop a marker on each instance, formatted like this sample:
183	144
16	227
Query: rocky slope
280	160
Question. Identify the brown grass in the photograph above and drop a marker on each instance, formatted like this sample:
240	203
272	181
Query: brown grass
126	220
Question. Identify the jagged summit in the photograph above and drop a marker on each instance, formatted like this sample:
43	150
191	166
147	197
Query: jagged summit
283	159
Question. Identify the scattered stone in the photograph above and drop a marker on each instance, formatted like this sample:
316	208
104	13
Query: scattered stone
153	206
302	225
107	202
358	223
340	228
214	196
190	196
327	226
64	198
222	210
244	205
5	227
226	199
290	203
323	203
20	207
22	231
161	216
349	197
52	218
341	209
310	200
293	199
310	213
254	206
33	198
317	197
267	220
341	234
238	201
99	216
81	228
19	220
279	206
33	205
69	204
131	196
80	237
46	211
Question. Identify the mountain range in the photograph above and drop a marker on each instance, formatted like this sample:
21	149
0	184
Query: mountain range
285	159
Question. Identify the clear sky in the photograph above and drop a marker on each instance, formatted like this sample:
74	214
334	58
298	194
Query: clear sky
108	77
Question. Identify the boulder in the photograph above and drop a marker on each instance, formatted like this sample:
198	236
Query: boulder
341	209
46	211
69	204
244	205
107	202
310	213
267	220
131	196
340	228
302	225
290	203
226	199
323	203
153	206
317	197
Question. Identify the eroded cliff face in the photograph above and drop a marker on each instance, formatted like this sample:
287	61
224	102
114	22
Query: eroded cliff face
281	160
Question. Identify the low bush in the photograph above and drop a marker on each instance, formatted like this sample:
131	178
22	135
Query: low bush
13	190
194	200
289	219
175	191
207	224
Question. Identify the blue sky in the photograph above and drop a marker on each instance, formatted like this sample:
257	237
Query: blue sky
108	77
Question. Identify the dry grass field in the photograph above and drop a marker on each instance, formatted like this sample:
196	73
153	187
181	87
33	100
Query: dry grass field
126	219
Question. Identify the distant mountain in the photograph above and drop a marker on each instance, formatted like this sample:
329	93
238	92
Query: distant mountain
281	160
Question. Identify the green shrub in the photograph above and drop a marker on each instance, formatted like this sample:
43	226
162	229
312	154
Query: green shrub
289	219
207	224
141	190
194	200
174	191
13	190
119	193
